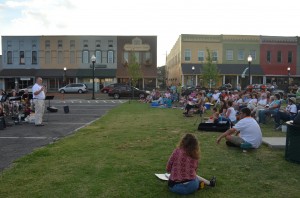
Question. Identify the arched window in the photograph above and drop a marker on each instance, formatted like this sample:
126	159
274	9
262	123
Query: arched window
110	56
85	56
98	56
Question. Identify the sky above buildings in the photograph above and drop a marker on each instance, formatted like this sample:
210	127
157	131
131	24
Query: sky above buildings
165	19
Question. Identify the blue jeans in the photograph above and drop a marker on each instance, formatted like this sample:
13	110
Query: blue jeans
262	114
187	187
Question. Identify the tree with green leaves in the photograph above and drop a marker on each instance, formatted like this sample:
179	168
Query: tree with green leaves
134	71
210	70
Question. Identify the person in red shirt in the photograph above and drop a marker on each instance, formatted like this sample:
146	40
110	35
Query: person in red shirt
182	166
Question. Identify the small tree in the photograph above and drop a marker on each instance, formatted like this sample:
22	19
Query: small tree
134	71
210	70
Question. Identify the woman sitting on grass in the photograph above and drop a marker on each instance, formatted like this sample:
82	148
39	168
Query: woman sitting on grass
182	166
214	117
230	113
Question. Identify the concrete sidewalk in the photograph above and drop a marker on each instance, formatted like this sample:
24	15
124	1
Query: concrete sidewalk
275	142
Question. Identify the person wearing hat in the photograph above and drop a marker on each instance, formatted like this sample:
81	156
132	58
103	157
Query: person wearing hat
287	114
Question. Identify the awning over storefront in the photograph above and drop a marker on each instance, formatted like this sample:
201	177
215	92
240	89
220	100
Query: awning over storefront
46	73
224	69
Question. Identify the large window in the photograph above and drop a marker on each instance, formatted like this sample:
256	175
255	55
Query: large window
59	44
241	54
290	57
72	44
22	57
110	56
34	57
60	59
215	56
147	57
98	56
72	57
9	57
253	54
187	55
279	56
137	56
229	54
110	43
268	56
47	57
47	45
200	56
125	57
85	56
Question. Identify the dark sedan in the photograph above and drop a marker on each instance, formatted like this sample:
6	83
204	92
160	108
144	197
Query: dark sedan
127	91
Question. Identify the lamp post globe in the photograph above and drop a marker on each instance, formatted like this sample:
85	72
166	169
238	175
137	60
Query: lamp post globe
65	76
193	69
93	59
249	70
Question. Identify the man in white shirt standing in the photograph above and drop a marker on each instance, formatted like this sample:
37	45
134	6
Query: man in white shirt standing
38	91
249	136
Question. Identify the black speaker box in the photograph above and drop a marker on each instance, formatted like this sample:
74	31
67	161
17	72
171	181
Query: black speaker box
66	109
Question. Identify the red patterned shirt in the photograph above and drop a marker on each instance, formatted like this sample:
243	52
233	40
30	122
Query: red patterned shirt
181	166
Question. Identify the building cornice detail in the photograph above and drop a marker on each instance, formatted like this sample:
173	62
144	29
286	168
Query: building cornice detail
241	38
278	39
201	38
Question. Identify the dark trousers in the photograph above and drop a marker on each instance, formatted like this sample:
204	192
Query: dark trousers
284	116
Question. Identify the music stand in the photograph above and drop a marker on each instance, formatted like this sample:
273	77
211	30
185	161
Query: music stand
49	108
49	98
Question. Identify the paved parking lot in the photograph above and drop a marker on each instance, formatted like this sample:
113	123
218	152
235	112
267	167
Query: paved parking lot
19	140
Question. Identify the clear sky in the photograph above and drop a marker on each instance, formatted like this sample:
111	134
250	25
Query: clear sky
166	19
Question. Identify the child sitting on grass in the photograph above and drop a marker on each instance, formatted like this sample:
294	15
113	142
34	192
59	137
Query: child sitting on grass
214	117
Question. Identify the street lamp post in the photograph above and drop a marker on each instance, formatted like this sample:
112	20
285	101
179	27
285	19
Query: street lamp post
249	62
93	59
65	76
193	69
288	81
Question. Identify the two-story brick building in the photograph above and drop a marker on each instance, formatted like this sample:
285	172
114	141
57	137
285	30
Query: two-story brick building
59	58
271	56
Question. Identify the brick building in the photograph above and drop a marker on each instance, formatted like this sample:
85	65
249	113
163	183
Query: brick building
26	57
271	56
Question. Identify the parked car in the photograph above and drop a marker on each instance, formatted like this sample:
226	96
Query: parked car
107	88
126	91
73	88
29	88
189	90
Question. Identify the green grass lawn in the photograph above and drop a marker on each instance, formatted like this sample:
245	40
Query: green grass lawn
118	155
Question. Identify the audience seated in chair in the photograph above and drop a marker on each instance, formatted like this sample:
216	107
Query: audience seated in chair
270	109
287	114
